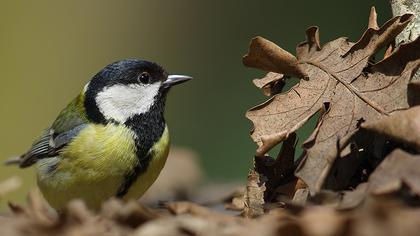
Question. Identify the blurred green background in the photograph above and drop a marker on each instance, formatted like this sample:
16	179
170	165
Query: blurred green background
50	49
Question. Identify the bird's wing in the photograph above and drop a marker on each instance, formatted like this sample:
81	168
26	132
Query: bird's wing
67	125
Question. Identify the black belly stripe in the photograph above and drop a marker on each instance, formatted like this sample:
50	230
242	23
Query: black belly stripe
130	178
149	128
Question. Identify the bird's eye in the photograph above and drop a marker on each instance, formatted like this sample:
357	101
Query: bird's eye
144	78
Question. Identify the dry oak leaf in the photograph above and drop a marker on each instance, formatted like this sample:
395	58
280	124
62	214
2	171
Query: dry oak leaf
278	173
271	84
403	126
9	185
399	168
254	196
337	80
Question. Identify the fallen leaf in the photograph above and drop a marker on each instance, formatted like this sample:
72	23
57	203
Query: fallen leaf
397	169
379	216
389	50
254	196
235	201
131	213
301	196
402	126
271	84
278	173
186	225
177	226
353	198
286	191
265	55
9	185
397	177
354	163
182	208
39	210
340	82
414	93
322	221
373	23
236	204
269	141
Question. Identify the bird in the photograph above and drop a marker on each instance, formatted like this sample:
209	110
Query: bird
110	141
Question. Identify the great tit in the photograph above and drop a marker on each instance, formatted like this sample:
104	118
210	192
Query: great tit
111	140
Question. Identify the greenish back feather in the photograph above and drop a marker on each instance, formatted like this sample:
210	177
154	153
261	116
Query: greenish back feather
67	125
71	116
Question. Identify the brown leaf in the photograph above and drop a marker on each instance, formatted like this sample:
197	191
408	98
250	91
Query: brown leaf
402	126
373	23
339	84
301	196
276	222
278	173
16	208
272	83
322	221
389	50
130	214
351	168
380	216
286	191
270	77
352	199
188	225
236	204
177	226
235	201
77	213
341	200
39	210
179	208
254	196
397	169
285	161
267	56
414	93
311	45
9	185
269	141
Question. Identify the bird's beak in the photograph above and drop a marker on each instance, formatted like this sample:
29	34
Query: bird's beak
175	79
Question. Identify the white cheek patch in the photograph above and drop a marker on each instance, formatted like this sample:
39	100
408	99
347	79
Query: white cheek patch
120	102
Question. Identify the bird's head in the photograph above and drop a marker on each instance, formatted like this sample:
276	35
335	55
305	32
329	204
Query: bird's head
128	88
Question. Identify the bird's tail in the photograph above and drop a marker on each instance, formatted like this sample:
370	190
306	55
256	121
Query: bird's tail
13	160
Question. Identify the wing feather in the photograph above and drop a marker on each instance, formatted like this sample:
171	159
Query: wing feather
67	125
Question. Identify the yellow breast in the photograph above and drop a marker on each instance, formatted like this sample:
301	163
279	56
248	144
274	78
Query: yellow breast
94	165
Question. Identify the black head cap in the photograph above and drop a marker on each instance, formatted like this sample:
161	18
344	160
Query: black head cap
126	87
130	71
127	71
